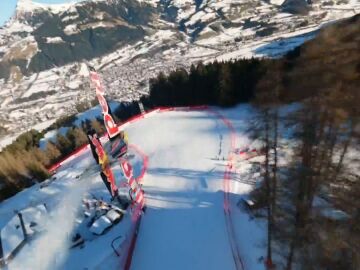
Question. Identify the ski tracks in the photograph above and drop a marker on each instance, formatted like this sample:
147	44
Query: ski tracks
226	180
226	184
239	265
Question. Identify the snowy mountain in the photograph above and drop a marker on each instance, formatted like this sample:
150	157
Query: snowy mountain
58	35
43	46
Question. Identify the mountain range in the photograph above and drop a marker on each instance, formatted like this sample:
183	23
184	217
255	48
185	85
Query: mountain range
44	48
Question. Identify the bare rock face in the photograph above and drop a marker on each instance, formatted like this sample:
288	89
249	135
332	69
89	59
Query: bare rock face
296	6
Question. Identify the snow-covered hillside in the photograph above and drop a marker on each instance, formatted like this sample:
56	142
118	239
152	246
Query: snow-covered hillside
189	197
42	46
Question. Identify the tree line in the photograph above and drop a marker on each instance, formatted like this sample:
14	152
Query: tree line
311	202
217	83
24	162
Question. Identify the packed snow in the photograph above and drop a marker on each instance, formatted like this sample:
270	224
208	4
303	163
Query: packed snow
184	225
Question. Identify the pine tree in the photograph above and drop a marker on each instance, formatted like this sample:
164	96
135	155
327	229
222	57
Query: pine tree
64	144
52	152
96	125
76	137
226	91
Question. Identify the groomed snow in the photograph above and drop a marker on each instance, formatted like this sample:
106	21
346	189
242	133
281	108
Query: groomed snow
184	225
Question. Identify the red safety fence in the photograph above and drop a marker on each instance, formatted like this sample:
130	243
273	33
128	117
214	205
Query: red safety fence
129	244
77	152
133	119
227	188
125	248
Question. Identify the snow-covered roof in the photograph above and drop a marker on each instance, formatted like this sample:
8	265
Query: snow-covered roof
12	236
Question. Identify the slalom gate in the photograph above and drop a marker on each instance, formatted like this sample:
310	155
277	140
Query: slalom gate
126	248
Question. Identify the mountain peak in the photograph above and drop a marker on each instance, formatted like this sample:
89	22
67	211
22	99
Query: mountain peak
29	6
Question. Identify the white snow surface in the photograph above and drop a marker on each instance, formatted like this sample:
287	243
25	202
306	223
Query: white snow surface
54	40
12	236
184	225
31	6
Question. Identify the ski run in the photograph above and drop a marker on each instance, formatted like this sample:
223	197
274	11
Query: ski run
188	162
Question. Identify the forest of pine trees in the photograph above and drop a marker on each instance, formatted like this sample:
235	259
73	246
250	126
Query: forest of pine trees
321	140
319	176
222	84
23	162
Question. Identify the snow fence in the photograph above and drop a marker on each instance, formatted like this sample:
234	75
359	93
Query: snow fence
126	248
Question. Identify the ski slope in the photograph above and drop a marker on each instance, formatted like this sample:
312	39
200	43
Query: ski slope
184	197
190	191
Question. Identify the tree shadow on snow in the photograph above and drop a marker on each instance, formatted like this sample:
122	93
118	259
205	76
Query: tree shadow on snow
279	47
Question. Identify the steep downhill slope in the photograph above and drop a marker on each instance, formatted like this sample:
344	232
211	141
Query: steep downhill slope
184	225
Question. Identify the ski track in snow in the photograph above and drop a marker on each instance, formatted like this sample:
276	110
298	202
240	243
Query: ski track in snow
190	196
200	224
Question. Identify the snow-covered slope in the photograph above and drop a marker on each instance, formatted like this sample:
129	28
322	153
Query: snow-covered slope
185	225
24	6
42	46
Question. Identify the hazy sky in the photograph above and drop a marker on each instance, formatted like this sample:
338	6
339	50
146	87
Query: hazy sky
7	7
